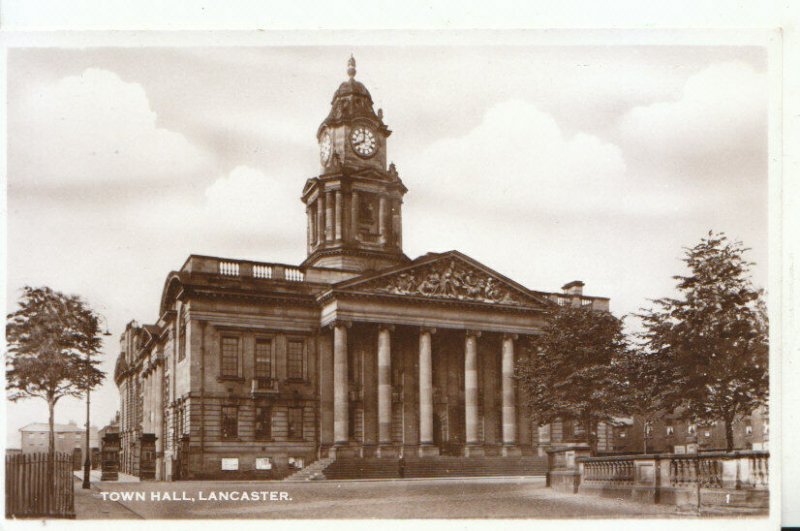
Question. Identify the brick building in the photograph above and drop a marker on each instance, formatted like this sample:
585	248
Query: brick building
255	369
69	438
671	434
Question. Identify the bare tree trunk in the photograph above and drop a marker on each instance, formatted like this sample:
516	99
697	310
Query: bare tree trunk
587	423
729	432
51	452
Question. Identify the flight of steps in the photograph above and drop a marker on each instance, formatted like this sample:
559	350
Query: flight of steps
312	471
435	467
452	466
364	468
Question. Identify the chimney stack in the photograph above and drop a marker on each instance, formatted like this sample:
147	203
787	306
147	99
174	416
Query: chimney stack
573	288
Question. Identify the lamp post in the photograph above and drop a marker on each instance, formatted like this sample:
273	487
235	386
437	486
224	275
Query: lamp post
87	462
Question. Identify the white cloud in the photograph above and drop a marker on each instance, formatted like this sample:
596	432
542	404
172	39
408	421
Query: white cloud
720	115
248	199
95	128
518	159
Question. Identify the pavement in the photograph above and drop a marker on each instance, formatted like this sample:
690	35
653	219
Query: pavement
472	498
89	505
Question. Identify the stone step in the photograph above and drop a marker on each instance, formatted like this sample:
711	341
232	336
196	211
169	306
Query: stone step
440	466
312	471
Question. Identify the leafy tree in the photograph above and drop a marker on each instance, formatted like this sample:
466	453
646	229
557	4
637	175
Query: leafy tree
715	334
53	340
646	385
569	373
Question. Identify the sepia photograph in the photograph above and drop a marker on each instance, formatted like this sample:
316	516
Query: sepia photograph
491	276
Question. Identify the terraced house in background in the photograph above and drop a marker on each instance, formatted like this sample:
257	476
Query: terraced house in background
358	354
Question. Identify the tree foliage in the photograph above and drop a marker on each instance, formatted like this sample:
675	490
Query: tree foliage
715	335
646	385
53	342
570	372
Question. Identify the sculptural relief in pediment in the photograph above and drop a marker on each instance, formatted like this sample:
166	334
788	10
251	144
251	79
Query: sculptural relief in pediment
448	280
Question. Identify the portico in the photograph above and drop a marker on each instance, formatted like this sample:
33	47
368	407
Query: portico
427	372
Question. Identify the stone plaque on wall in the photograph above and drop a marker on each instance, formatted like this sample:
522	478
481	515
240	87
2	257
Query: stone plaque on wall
230	463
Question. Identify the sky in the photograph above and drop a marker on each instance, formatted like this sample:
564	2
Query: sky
545	163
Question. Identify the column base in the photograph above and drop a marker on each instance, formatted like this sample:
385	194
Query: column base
388	450
340	450
511	450
427	450
474	450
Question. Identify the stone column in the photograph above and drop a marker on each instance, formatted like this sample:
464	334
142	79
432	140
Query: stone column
341	415
354	207
310	231
383	233
426	446
397	225
509	398
319	206
384	388
338	215
329	214
471	393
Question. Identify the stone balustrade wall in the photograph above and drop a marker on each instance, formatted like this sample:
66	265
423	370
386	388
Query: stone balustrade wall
723	477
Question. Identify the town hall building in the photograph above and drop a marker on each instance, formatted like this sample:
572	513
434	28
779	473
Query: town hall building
360	352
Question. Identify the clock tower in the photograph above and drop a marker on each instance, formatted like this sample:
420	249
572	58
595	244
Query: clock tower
354	204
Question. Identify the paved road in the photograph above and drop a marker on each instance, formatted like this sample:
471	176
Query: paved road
452	498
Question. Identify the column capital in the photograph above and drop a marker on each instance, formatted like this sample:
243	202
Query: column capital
513	337
429	329
339	322
474	333
386	326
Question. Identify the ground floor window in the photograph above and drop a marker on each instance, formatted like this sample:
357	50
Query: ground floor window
263	423
295	463
296	423
230	422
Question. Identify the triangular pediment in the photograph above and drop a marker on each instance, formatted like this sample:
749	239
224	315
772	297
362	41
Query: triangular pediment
449	276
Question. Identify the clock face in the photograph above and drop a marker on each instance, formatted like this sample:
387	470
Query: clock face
363	141
325	148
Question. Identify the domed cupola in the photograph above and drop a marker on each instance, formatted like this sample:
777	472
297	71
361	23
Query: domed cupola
354	204
352	101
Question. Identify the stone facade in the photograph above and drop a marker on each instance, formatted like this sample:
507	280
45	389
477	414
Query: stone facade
256	369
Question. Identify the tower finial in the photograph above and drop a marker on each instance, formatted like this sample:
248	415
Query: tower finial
351	66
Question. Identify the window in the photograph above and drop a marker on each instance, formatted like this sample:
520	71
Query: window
182	337
230	422
648	429
229	365
670	430
263	361
263	463
295	463
766	427
296	423
263	427
707	434
691	429
748	429
567	429
294	360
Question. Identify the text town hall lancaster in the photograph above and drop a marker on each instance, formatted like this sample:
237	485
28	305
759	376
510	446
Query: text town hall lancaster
358	354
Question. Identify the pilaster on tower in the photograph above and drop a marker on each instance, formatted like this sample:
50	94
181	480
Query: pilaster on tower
354	206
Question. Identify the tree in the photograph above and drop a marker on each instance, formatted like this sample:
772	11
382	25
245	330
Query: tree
645	382
569	373
715	334
53	340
